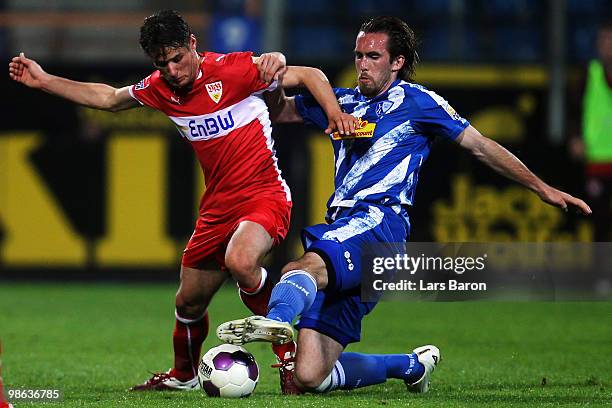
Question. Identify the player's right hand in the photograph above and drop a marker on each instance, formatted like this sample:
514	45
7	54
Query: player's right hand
26	71
343	123
561	199
271	66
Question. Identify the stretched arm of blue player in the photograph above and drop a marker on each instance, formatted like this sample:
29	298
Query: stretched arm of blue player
94	95
315	81
272	66
505	163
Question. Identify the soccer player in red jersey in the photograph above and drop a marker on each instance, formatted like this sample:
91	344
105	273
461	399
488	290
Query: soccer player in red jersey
215	101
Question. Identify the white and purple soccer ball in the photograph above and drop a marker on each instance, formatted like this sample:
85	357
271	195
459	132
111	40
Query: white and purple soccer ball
228	371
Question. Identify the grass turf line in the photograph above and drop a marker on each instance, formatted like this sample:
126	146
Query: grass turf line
95	341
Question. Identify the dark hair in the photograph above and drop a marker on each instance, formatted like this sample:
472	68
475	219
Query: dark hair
605	25
402	41
164	29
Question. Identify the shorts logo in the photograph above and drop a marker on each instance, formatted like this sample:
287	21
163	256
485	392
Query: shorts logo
215	90
347	255
364	129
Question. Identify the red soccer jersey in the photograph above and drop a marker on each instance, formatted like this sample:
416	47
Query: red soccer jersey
226	120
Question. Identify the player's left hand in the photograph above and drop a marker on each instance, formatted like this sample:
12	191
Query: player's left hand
271	66
343	123
563	200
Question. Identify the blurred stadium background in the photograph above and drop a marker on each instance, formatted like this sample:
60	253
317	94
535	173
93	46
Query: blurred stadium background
87	194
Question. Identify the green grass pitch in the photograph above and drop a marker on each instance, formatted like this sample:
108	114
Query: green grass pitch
94	341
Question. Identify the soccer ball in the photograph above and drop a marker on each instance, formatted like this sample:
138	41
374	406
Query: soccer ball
228	371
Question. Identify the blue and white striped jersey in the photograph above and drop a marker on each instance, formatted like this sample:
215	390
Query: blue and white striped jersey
381	164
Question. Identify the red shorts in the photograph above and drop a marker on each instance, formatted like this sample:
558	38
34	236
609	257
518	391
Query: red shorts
212	234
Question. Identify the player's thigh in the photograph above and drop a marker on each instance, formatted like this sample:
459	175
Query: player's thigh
247	247
336	315
315	358
197	288
261	224
341	243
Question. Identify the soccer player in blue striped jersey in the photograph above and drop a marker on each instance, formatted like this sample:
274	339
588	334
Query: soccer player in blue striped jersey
377	170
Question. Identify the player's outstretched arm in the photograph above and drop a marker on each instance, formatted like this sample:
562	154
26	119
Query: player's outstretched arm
505	163
93	95
317	84
273	67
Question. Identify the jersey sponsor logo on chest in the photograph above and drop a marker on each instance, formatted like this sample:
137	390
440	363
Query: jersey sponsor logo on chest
364	129
210	126
215	91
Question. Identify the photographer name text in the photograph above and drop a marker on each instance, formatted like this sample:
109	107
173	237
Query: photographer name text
405	285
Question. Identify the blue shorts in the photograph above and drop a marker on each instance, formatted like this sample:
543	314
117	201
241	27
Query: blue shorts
338	310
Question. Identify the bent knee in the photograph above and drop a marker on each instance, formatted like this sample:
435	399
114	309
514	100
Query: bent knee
292	266
309	379
190	308
311	263
242	267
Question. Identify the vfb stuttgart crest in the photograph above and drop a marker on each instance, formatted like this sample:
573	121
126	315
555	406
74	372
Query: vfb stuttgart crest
215	90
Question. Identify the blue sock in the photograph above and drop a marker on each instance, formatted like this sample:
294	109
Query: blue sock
403	366
356	370
292	296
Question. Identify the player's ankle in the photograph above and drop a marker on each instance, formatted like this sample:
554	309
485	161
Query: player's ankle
281	312
182	375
